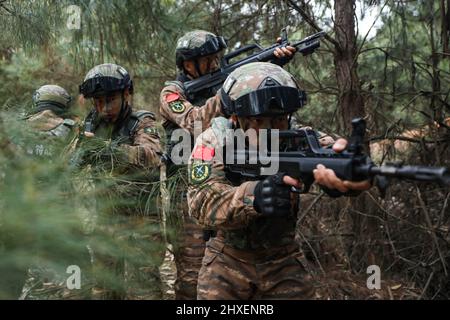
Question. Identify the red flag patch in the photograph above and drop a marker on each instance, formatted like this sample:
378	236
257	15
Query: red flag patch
203	153
171	97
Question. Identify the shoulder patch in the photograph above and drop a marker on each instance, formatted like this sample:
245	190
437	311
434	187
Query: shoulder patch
200	171
177	106
203	153
171	97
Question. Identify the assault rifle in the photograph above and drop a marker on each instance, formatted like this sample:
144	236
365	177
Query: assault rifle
300	153
212	82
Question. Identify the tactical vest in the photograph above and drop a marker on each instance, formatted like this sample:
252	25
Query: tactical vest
127	128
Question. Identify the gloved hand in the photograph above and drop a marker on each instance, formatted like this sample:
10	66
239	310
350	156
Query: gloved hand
273	196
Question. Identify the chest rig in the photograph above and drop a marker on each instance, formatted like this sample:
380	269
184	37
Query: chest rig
125	129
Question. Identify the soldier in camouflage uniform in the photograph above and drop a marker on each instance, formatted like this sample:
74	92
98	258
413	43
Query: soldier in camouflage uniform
51	127
51	117
197	54
128	245
254	254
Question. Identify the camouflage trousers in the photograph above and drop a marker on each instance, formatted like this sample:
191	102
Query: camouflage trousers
233	274
127	253
189	248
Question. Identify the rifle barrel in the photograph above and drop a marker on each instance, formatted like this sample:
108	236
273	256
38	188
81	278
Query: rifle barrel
418	173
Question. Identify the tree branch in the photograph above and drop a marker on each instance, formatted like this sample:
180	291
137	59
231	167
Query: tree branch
311	22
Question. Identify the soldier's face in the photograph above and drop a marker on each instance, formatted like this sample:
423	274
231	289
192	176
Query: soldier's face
108	107
207	64
259	123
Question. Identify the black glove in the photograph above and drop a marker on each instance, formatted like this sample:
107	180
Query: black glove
272	196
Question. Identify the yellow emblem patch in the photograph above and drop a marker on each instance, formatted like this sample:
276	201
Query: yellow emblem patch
177	106
200	171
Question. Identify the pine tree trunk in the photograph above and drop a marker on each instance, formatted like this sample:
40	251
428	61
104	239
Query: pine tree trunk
351	102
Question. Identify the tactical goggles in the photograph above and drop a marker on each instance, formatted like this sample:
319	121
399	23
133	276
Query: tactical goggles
265	102
212	45
101	86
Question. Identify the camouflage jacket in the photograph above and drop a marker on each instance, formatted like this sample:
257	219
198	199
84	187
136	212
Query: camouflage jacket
48	122
225	205
176	109
180	113
51	125
224	202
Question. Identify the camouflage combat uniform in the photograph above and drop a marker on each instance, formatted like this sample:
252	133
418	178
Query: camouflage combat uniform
127	243
179	112
52	126
50	118
252	256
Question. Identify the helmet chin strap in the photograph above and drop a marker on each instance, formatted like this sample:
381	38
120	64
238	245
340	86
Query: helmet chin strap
124	103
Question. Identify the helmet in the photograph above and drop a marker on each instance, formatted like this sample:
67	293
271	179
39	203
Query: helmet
104	79
51	96
196	44
261	89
